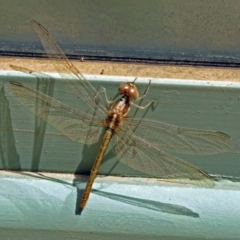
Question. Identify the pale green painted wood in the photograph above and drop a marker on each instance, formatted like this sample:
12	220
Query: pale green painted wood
118	208
202	105
44	207
122	207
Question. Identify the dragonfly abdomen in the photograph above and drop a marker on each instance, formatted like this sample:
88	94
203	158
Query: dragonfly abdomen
112	123
106	139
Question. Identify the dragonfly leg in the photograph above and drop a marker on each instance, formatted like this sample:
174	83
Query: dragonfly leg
143	96
142	107
106	97
105	93
146	91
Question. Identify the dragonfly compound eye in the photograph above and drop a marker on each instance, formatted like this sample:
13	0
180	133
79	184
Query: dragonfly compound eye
128	89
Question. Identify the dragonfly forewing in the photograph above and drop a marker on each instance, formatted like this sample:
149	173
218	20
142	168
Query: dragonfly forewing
69	73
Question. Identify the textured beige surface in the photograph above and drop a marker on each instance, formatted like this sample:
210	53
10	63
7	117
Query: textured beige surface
131	69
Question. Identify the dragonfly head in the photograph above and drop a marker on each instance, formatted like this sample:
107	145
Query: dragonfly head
128	89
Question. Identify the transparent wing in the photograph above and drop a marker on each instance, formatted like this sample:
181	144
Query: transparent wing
76	125
177	139
80	86
146	158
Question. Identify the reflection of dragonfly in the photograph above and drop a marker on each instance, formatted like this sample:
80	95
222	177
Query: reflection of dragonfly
137	142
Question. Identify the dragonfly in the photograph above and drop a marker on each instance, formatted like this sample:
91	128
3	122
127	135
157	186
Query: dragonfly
141	143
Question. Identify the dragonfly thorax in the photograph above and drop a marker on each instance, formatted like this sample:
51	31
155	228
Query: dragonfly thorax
117	112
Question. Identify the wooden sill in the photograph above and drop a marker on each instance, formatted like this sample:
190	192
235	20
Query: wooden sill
131	69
